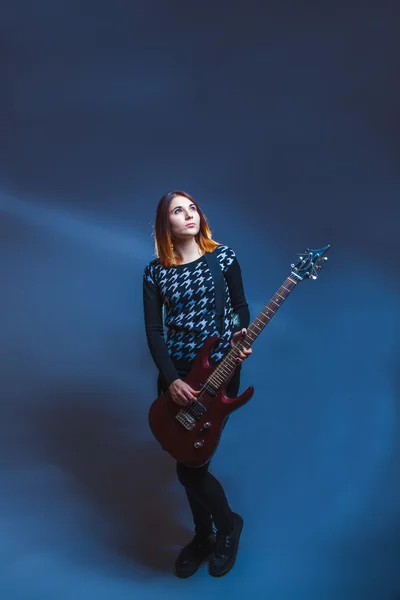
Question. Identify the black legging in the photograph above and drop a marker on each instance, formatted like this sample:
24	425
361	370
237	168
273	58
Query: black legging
206	496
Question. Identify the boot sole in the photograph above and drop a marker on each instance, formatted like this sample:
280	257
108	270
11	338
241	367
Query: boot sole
189	573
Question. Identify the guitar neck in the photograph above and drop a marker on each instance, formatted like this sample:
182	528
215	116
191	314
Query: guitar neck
226	367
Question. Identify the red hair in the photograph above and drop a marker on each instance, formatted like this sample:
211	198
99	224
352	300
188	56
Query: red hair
163	241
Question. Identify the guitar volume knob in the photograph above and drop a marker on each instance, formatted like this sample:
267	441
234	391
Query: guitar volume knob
198	444
207	425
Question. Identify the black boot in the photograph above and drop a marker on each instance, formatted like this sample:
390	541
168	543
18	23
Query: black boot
192	555
224	556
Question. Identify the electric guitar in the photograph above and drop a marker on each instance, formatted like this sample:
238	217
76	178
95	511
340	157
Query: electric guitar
191	433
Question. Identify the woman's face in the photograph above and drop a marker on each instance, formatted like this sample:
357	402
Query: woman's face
183	217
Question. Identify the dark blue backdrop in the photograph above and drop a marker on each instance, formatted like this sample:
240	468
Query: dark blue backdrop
282	119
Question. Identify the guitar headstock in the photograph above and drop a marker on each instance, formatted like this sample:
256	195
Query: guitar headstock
309	264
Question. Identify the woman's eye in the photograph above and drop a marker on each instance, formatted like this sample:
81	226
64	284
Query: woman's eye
177	210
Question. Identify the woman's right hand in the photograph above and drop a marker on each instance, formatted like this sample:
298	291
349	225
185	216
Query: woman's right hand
182	393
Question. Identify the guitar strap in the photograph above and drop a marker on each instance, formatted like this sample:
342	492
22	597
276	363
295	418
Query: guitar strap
219	282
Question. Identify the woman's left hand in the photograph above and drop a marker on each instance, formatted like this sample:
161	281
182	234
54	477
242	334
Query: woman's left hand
245	352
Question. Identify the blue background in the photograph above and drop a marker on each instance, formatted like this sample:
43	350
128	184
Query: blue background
282	119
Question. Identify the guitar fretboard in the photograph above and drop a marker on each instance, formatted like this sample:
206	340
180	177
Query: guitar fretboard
228	364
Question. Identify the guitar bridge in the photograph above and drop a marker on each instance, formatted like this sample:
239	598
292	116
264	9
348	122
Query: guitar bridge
187	421
188	416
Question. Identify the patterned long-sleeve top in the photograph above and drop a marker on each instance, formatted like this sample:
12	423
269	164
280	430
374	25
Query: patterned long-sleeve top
179	310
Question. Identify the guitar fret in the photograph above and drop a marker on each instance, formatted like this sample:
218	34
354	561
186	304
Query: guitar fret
266	316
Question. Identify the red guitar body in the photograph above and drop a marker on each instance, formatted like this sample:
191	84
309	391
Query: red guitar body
194	441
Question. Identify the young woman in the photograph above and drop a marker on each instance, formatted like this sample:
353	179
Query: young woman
179	311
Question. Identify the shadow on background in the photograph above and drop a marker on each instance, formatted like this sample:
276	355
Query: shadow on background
78	429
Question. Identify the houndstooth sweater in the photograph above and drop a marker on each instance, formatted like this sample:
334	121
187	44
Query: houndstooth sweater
179	310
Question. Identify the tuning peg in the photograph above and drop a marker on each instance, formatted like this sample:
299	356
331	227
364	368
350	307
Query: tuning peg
324	258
